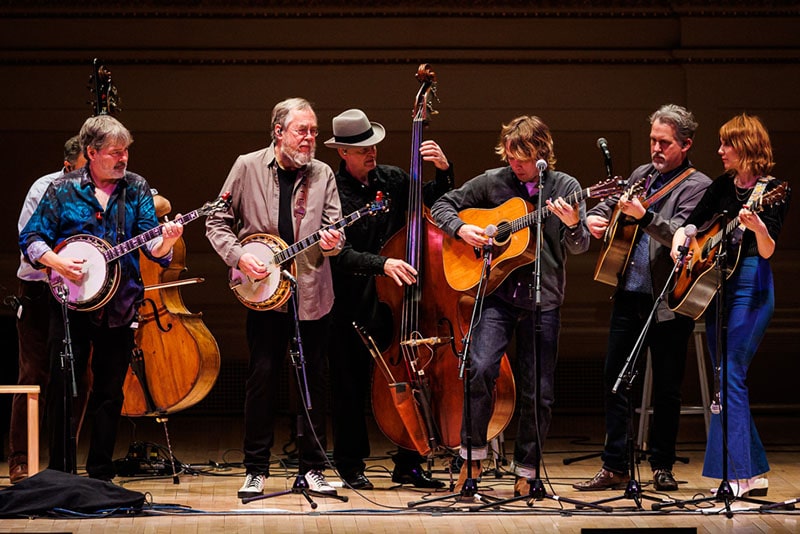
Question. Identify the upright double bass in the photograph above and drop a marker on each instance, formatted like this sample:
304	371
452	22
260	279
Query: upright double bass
177	360
417	395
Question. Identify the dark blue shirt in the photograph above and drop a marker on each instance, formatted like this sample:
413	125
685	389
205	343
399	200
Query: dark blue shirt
69	207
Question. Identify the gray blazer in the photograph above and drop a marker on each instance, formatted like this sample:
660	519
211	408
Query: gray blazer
661	223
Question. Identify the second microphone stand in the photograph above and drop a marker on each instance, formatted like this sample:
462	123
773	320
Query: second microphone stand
537	490
470	488
300	486
69	386
626	378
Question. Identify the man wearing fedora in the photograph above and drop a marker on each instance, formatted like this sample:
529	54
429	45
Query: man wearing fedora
358	180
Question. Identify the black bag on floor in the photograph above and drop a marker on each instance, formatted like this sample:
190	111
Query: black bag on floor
51	489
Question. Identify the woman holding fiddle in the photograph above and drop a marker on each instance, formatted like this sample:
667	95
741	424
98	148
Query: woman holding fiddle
746	154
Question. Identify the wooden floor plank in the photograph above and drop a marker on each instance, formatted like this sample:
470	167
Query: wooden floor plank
211	492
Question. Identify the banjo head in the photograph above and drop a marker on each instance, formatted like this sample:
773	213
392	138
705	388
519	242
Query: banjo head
99	278
267	293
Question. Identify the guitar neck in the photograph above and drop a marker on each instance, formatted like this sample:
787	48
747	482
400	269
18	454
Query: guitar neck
730	227
296	248
529	219
140	240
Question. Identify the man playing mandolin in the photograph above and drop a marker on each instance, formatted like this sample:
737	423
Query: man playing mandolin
106	201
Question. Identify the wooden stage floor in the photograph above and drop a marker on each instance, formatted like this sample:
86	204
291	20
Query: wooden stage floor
205	500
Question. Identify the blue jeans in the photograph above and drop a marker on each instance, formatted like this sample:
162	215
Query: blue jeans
667	341
749	303
498	323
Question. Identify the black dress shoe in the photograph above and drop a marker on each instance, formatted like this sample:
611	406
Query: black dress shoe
415	476
358	481
663	480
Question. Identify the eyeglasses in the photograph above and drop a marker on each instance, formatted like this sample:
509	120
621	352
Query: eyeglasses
302	133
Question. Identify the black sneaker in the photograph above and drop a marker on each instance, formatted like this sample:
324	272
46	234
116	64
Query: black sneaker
664	480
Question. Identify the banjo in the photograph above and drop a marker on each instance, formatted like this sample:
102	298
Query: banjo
274	290
101	271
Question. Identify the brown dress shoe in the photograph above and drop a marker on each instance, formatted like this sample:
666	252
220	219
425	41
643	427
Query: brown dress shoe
604	479
521	487
462	475
17	469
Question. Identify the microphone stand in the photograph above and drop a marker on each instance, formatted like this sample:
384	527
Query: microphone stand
298	360
67	359
470	488
627	375
537	490
724	492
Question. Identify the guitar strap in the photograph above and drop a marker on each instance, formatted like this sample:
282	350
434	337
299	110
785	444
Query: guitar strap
121	215
300	205
755	194
669	186
758	190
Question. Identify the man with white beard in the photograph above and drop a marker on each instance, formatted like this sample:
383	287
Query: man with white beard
283	191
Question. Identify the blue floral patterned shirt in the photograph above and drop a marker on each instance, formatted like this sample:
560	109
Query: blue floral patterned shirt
69	207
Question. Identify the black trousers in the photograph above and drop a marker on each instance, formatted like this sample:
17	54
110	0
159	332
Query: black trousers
110	351
268	335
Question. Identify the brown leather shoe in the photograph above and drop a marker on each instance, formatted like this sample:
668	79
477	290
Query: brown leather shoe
603	480
17	468
521	487
462	475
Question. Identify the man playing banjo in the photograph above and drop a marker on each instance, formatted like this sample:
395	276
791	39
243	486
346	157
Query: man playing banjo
101	200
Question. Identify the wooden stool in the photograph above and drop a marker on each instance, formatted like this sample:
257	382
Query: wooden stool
33	422
646	410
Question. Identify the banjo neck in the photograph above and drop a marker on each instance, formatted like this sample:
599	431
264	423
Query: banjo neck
140	240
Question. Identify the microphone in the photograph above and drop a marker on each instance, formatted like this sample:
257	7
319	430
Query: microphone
490	231
690	231
425	341
541	166
602	144
286	274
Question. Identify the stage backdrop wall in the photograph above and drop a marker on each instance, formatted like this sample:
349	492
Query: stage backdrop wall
197	81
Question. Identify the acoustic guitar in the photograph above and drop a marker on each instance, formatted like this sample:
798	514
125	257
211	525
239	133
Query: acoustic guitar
618	240
511	245
697	282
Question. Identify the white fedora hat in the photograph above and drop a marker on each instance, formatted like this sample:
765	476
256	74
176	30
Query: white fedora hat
353	128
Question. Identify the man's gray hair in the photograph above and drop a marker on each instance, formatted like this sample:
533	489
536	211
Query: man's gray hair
101	130
72	149
282	109
679	118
